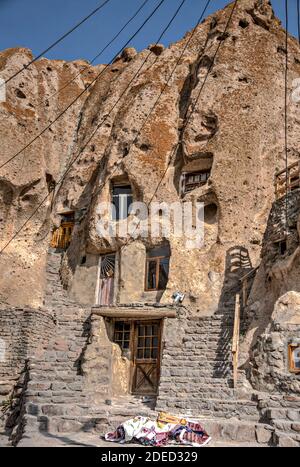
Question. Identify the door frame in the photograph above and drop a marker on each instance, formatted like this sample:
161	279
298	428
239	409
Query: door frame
133	349
98	281
132	346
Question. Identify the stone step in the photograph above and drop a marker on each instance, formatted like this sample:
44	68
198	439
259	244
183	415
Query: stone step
279	401
214	411
286	426
66	377
210	370
212	357
283	413
284	440
225	394
76	399
208	381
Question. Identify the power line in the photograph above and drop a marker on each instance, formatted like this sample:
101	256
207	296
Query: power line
131	81
58	40
96	56
85	145
163	89
298	18
84	90
286	112
193	109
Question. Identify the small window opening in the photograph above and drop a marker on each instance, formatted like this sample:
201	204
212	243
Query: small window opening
61	237
108	263
157	268
210	213
294	358
243	23
20	94
282	246
122	334
122	199
83	260
193	180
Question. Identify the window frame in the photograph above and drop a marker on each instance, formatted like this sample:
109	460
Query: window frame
291	361
120	213
157	259
119	342
197	180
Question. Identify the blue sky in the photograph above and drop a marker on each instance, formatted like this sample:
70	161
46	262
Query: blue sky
37	23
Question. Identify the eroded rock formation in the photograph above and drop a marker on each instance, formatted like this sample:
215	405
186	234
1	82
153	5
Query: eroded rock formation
210	104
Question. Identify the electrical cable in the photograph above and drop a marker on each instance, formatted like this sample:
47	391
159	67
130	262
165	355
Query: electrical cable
85	145
96	56
84	90
58	41
286	113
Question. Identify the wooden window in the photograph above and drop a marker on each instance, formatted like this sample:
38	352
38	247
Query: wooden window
148	341
61	237
192	180
122	199
294	358
157	273
122	334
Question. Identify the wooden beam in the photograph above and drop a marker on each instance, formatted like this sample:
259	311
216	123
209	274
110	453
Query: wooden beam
134	313
235	340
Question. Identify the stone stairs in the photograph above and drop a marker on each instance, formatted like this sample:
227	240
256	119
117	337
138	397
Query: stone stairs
75	416
55	400
54	378
282	412
197	378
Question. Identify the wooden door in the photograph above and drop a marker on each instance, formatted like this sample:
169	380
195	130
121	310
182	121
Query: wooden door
107	277
146	357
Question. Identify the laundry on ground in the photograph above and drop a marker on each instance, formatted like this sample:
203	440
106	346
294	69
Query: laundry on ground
166	429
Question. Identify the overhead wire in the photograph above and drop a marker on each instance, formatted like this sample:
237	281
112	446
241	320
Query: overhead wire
84	90
286	113
90	138
188	118
87	67
60	39
298	19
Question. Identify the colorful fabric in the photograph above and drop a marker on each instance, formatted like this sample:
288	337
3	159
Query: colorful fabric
167	418
159	432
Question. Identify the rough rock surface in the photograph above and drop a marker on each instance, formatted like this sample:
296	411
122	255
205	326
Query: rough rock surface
32	101
235	125
146	121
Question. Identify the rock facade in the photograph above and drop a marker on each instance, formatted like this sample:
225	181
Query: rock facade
202	104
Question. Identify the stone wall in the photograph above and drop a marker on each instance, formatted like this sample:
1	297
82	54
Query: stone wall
269	359
276	229
106	371
274	301
24	332
84	285
196	352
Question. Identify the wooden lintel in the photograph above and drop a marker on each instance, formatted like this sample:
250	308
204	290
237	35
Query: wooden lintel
147	313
